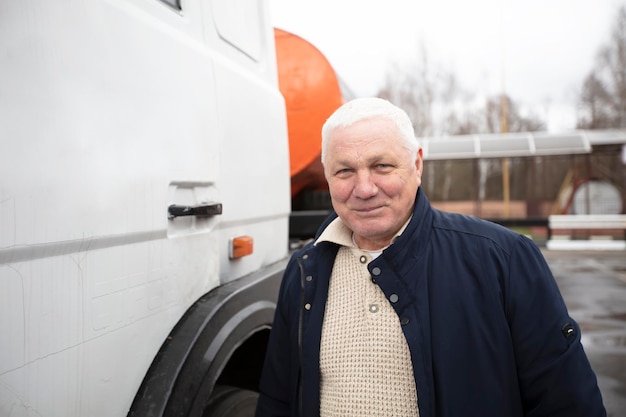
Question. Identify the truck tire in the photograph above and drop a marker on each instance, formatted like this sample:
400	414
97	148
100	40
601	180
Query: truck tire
228	401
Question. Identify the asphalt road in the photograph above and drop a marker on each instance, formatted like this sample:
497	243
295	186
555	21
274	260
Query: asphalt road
593	284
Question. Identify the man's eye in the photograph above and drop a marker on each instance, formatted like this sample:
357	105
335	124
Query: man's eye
343	171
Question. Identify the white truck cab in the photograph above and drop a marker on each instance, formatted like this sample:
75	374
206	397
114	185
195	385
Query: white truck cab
144	205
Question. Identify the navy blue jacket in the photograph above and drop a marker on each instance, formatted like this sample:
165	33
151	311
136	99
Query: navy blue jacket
487	328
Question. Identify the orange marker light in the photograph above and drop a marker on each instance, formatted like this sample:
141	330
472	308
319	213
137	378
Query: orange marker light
241	246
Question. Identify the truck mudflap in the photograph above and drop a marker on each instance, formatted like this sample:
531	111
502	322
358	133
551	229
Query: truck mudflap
219	342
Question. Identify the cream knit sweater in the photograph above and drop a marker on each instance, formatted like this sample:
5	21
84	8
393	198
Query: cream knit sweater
365	363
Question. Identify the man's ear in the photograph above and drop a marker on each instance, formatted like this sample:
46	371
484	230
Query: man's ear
419	161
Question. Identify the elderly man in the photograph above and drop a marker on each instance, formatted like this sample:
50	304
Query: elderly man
398	309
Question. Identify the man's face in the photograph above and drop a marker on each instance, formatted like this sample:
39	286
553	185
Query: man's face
372	180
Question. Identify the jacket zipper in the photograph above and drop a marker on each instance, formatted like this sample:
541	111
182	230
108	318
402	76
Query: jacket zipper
300	320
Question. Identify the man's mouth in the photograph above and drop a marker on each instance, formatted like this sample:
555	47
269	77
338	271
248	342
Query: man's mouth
367	210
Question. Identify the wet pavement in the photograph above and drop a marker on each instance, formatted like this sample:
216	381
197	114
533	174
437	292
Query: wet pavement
593	284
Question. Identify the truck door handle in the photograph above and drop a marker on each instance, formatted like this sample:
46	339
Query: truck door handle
202	209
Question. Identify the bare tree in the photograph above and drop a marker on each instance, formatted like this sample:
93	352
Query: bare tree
602	102
433	98
413	89
594	105
515	121
439	105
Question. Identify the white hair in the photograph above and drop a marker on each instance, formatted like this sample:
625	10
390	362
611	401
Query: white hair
368	108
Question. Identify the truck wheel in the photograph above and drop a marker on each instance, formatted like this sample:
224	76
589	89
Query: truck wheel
228	401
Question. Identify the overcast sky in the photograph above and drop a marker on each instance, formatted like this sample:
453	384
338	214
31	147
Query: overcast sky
537	51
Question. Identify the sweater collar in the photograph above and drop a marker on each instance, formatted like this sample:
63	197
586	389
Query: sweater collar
413	238
338	232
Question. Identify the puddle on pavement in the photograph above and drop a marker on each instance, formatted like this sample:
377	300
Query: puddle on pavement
614	316
604	334
606	341
589	321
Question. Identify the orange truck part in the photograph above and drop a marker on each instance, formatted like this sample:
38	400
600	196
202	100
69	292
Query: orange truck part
312	92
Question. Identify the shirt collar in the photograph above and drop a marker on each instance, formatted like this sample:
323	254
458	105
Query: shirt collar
338	232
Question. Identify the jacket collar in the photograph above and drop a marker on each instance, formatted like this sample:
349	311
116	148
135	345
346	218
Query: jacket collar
412	244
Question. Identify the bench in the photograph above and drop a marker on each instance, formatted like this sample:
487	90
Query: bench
590	223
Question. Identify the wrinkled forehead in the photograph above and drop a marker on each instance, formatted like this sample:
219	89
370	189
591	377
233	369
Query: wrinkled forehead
372	132
367	139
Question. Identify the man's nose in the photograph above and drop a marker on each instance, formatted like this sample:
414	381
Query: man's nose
365	186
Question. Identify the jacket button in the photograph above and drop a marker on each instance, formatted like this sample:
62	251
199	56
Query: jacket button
393	298
307	306
376	271
404	321
309	278
363	259
305	257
